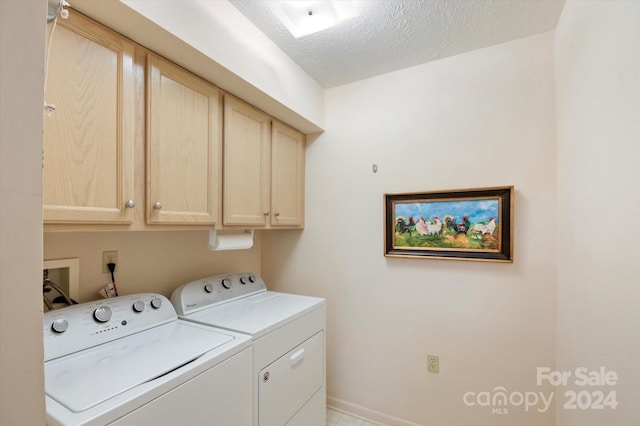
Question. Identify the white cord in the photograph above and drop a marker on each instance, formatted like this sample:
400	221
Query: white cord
49	109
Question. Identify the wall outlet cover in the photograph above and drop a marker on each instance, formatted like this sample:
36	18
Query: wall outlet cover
109	257
433	363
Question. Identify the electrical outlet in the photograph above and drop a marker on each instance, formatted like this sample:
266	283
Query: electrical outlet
433	363
109	257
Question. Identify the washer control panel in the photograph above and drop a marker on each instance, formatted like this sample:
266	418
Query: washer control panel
206	292
82	326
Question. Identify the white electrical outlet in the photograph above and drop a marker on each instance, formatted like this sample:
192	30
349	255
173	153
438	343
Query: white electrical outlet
109	257
433	363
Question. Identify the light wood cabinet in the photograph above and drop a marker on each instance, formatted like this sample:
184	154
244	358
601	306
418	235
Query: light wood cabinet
287	176
247	143
183	146
263	169
137	142
89	140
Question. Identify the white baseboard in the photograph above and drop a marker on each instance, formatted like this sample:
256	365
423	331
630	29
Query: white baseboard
365	413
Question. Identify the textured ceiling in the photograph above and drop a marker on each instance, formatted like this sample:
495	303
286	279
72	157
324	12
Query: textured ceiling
389	35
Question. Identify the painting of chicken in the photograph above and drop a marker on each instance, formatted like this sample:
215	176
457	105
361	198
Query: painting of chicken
452	225
403	225
429	228
483	228
466	225
473	224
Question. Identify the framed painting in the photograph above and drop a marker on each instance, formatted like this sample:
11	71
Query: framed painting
463	224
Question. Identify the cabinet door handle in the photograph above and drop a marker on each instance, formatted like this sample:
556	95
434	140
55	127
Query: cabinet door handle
157	205
276	214
130	204
296	357
266	213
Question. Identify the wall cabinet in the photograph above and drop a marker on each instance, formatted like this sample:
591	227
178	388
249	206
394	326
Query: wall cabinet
263	169
287	176
247	143
183	146
137	143
88	141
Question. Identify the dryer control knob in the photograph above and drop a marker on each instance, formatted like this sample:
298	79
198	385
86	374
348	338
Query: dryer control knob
156	302
252	278
208	288
243	280
226	283
138	306
60	325
102	314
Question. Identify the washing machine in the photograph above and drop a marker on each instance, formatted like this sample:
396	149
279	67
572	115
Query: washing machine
288	332
130	360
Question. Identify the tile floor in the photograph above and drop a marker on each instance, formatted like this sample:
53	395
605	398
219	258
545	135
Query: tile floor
337	418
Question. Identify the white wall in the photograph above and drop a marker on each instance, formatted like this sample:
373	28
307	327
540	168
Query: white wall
21	83
484	118
598	297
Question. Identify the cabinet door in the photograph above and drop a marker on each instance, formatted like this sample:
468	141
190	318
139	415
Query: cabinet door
246	164
88	141
183	144
287	176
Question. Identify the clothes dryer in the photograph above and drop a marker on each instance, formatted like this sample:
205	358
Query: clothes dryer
288	332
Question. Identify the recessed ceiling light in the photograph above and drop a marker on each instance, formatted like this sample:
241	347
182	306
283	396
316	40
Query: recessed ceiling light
306	17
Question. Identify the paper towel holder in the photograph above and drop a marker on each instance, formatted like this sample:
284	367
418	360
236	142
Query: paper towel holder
219	241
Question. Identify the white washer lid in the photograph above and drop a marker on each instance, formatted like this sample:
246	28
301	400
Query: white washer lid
258	314
90	377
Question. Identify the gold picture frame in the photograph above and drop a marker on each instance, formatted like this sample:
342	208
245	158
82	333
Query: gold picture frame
462	224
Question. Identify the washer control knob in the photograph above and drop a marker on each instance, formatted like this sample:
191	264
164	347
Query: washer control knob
60	325
156	302
243	280
138	306
252	278
226	283
102	314
208	288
